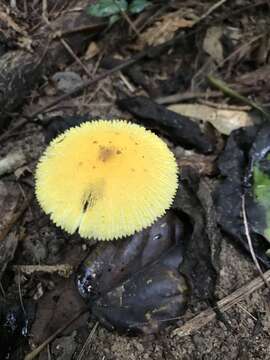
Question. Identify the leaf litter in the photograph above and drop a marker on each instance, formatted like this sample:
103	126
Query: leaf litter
212	45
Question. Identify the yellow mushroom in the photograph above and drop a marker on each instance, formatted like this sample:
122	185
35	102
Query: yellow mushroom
106	179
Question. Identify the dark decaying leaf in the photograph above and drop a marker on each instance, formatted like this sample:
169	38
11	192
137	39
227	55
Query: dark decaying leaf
244	165
133	284
178	127
14	325
58	124
201	260
55	309
142	283
58	306
258	182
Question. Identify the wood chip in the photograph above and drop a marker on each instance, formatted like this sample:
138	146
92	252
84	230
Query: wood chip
64	270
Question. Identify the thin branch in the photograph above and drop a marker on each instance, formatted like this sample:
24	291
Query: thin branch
38	349
189	95
127	18
68	48
88	341
88	83
210	10
250	241
64	270
20	293
45	9
220	85
125	64
223	305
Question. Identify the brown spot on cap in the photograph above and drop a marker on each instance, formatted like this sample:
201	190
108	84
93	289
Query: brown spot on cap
106	153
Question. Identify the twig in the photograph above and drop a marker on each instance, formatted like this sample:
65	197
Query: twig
247	312
250	241
210	10
234	94
20	293
45	9
131	24
64	270
240	49
127	18
80	29
126	82
222	106
38	349
49	352
223	305
67	47
2	290
88	341
189	95
71	52
88	83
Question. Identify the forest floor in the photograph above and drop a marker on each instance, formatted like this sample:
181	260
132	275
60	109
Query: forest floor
229	41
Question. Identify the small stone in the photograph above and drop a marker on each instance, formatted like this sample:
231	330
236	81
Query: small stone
67	81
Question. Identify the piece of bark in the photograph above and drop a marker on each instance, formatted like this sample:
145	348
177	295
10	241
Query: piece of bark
21	70
178	128
204	165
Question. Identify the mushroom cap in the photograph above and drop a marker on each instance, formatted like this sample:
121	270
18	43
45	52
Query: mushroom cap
106	179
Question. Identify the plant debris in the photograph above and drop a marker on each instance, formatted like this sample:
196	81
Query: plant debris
209	60
224	120
244	166
12	162
133	285
180	128
138	285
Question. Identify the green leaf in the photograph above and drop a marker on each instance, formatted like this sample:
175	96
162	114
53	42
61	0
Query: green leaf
261	189
137	6
113	19
104	8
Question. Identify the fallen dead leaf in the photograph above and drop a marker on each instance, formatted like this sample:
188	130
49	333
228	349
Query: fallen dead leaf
164	29
55	309
92	50
11	162
225	121
212	44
